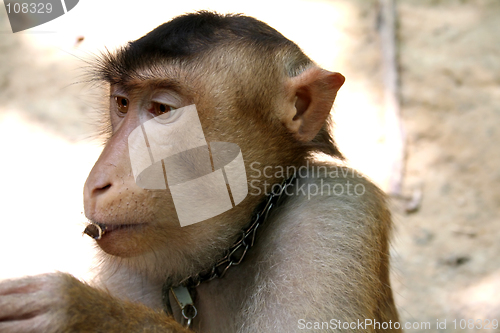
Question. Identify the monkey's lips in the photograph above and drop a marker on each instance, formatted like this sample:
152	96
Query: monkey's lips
122	240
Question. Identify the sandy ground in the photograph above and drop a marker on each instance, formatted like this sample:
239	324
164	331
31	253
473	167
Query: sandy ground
445	254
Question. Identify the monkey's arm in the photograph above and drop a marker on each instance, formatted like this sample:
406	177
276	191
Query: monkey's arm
58	302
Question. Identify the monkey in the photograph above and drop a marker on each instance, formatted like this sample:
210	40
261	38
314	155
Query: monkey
303	244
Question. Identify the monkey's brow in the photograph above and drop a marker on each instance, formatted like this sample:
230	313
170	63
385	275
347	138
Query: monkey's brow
151	83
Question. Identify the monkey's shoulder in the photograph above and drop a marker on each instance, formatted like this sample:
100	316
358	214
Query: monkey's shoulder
336	206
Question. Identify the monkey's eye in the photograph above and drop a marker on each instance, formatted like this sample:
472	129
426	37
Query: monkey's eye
122	104
158	109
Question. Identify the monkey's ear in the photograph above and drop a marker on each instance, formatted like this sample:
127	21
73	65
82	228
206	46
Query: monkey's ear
310	97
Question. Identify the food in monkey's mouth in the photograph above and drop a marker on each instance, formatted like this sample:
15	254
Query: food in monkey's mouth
95	230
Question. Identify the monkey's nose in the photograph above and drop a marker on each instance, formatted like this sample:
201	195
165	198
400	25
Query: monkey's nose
97	183
96	189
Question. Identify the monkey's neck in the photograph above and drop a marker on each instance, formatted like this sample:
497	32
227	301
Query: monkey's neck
184	293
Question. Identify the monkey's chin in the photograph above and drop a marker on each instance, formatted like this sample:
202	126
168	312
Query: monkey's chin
124	241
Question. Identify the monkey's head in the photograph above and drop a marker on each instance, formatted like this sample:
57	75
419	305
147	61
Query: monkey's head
250	86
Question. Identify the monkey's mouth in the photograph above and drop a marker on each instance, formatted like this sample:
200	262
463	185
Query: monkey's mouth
97	230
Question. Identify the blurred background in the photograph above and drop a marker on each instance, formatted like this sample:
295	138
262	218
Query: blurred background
423	122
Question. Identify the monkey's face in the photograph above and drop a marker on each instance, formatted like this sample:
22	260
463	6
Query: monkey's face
151	118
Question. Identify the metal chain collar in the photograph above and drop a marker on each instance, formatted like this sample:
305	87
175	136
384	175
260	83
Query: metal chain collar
232	257
236	253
